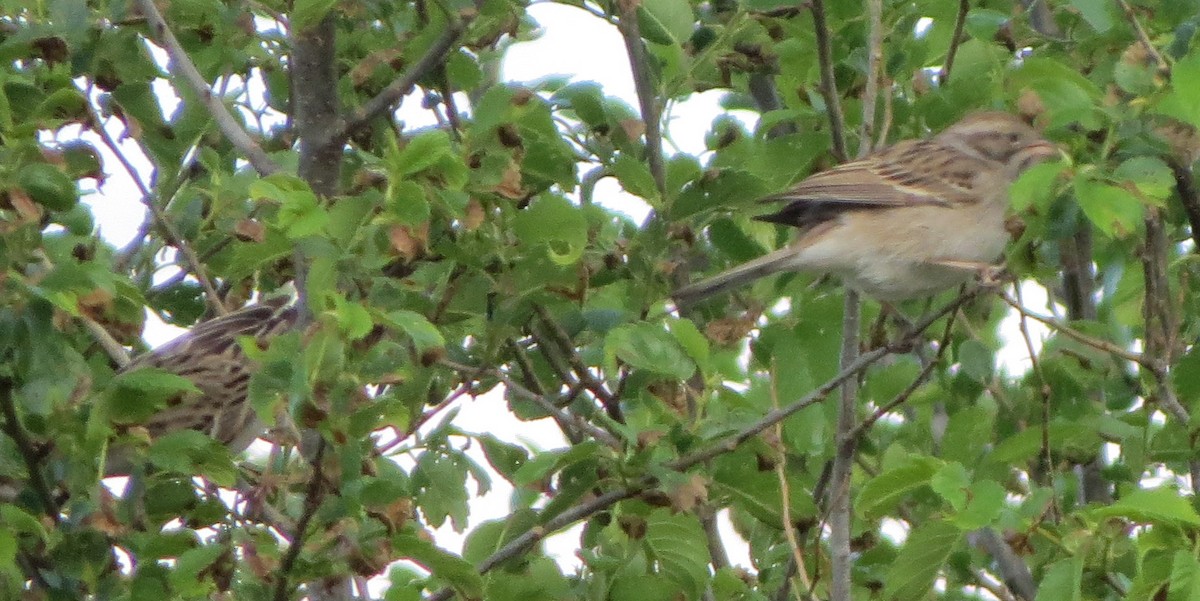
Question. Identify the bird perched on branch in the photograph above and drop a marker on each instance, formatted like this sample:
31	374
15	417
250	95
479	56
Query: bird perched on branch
211	357
904	222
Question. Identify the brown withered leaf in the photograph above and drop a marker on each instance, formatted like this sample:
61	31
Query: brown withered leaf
731	330
633	128
29	211
688	495
408	241
510	183
1030	105
474	215
1182	137
366	67
96	303
250	230
672	394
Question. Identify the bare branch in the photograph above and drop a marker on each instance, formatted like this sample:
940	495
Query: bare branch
1189	197
14	430
434	56
194	263
956	39
312	500
870	93
1142	36
542	401
647	92
829	90
182	67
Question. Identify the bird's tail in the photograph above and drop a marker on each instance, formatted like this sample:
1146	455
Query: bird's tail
772	262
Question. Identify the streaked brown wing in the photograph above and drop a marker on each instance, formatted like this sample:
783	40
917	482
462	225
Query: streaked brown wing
211	357
908	173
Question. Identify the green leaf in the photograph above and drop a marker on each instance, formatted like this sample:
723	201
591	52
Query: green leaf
1157	505
1185	578
48	186
423	333
976	360
1036	187
308	13
1183	101
1113	210
187	573
635	177
354	320
666	21
693	341
407	202
1098	13
193	452
134	396
423	152
951	482
1150	175
648	346
677	543
1063	581
985	502
553	222
915	568
984	23
883	492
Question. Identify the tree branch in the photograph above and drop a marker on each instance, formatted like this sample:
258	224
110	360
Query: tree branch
956	39
312	500
434	56
647	92
194	263
181	66
541	400
829	91
12	427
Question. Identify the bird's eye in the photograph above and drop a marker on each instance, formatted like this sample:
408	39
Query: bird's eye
1013	137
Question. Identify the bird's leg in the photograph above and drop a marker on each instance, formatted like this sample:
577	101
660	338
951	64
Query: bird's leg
987	275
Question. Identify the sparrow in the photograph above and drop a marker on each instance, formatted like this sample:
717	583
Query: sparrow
211	357
904	222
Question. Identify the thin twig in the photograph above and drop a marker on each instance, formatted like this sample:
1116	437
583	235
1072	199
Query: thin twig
870	93
1141	34
434	56
1044	390
312	500
181	66
1080	337
563	341
1189	197
542	401
773	417
956	39
1013	569
785	496
12	427
647	92
829	91
195	265
841	564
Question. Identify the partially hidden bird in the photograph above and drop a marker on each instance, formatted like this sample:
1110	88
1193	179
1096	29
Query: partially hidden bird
904	222
211	357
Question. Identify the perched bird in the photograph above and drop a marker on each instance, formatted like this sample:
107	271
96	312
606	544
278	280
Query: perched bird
904	222
210	356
